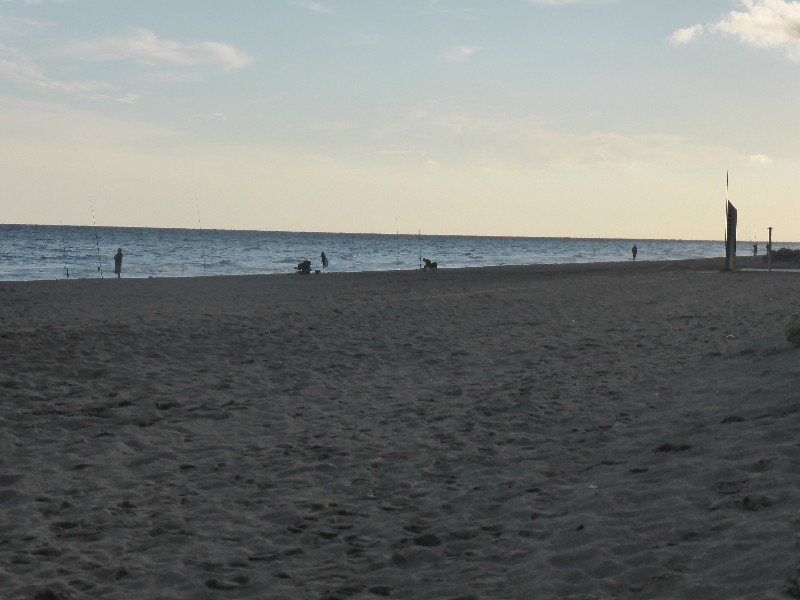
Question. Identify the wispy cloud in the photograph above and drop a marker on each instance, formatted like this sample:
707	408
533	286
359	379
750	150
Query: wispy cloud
20	26
18	68
762	24
686	35
129	99
145	47
315	7
760	159
459	54
538	142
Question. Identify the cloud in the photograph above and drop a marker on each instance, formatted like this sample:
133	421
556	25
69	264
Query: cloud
686	35
536	142
460	54
144	47
129	98
16	67
762	24
760	159
766	24
20	26
316	7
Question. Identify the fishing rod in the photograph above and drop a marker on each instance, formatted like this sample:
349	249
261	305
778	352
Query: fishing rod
64	244
419	245
96	239
200	225
398	248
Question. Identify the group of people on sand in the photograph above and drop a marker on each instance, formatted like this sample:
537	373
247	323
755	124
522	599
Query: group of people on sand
305	266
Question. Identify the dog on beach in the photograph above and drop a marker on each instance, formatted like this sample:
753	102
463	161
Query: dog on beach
429	265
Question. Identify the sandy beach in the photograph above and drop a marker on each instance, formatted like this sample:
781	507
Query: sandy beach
618	430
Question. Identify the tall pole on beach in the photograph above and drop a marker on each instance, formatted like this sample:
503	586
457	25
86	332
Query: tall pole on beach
727	225
96	240
769	250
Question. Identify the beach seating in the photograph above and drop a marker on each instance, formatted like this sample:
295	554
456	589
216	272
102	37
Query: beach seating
429	265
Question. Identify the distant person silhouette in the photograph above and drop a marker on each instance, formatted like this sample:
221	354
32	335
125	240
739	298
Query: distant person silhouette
324	260
755	249
634	251
118	262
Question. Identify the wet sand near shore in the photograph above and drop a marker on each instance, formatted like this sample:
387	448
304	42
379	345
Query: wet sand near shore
624	430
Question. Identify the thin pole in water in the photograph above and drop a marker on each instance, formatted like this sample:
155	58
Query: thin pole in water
419	245
64	244
202	245
398	259
96	240
769	250
725	237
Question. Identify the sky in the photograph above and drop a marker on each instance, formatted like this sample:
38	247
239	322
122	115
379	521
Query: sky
576	118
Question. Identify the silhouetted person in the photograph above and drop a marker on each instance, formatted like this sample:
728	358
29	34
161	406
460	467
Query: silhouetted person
634	251
118	262
755	249
324	260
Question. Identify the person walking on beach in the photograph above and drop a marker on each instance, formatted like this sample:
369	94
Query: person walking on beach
118	262
324	260
634	250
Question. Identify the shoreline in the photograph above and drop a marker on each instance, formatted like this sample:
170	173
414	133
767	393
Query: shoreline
643	265
611	429
743	265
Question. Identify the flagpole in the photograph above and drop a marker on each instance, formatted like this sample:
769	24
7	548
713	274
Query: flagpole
726	211
727	224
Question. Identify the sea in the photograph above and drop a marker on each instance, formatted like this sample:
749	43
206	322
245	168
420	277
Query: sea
35	252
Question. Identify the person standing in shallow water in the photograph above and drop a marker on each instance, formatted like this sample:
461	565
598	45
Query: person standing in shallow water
118	262
634	251
324	260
